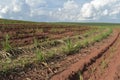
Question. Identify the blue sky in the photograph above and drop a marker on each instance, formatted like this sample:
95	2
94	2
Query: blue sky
61	10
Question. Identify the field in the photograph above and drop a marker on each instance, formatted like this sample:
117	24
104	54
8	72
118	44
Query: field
59	51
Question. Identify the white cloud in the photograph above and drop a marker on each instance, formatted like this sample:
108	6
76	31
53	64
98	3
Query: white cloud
60	10
87	11
105	12
35	3
68	11
70	4
115	9
38	12
36	7
16	6
99	3
4	9
93	10
96	9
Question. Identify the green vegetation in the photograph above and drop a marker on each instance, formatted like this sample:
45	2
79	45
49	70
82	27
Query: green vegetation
6	44
69	47
89	24
40	56
57	30
102	36
7	21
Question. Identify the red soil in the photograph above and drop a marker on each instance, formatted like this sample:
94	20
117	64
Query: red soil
69	72
110	69
63	67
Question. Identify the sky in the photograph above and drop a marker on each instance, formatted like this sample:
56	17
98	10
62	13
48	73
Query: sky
61	10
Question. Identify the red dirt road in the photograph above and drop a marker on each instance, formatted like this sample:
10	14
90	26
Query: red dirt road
96	54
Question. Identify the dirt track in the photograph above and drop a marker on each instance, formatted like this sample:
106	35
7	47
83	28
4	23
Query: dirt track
107	67
83	65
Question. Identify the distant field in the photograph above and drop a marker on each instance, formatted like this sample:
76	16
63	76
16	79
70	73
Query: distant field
31	48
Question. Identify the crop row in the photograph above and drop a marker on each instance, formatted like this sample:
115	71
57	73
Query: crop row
69	47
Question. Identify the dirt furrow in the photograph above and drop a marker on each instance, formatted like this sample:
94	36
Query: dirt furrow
71	70
107	67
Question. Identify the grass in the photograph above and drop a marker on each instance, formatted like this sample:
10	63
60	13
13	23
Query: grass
6	44
57	29
39	30
71	48
101	36
39	54
80	76
104	64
